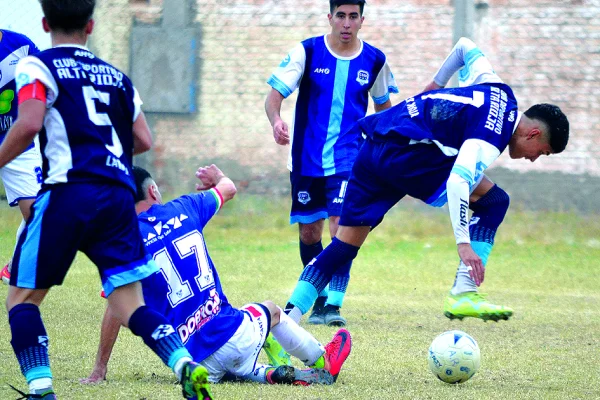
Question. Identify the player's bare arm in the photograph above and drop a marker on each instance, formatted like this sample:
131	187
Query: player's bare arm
108	336
383	106
23	131
142	138
273	108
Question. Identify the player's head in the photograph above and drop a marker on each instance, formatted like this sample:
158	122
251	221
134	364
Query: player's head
68	16
145	187
345	19
543	130
333	4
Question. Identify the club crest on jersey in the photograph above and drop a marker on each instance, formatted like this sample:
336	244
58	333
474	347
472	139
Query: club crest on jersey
362	77
303	197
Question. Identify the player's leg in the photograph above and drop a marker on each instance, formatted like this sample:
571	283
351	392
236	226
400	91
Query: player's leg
43	256
114	244
489	204
22	179
369	196
309	210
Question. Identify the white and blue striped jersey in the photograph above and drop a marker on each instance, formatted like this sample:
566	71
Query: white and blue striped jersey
333	95
187	289
472	124
13	47
91	107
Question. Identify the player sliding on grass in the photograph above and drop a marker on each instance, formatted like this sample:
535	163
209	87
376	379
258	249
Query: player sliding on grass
90	124
435	147
188	291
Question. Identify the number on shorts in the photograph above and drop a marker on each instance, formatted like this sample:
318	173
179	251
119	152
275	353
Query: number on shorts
188	245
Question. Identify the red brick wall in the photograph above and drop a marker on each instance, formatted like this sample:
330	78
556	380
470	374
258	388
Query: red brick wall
548	51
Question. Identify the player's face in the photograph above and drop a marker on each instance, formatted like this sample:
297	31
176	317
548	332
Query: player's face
529	147
345	22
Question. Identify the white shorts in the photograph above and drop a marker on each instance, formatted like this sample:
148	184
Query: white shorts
238	356
22	176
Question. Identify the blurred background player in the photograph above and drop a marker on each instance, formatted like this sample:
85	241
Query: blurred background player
90	122
435	147
188	291
22	176
335	75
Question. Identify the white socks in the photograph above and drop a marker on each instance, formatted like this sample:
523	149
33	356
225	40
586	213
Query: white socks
297	341
463	282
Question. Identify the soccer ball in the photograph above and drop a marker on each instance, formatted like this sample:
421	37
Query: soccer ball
454	357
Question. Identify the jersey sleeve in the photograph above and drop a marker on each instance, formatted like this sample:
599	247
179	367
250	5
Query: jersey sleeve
206	204
385	83
286	78
474	68
473	158
31	69
137	104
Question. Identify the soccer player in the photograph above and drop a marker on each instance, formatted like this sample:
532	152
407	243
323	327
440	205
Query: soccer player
188	291
22	176
335	75
435	147
90	124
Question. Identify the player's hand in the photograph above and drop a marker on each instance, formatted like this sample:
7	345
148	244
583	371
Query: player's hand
281	133
98	375
472	261
432	86
209	177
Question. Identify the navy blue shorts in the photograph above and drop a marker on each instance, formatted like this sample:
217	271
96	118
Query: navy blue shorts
315	198
97	219
385	172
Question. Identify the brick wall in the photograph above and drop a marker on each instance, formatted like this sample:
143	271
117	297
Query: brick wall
548	51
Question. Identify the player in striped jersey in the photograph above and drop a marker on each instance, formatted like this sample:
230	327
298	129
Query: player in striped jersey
335	74
435	147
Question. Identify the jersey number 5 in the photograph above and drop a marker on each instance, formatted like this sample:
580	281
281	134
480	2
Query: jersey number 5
102	119
190	245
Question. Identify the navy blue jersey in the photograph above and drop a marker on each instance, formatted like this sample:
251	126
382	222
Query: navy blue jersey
13	47
187	289
333	95
91	106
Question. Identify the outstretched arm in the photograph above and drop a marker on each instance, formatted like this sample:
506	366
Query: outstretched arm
108	336
477	68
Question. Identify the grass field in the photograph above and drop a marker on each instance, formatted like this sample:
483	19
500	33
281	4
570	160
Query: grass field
544	265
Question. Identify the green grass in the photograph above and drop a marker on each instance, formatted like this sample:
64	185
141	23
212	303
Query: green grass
544	265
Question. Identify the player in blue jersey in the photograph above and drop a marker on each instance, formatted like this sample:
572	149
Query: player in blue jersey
90	124
22	176
224	339
435	147
335	74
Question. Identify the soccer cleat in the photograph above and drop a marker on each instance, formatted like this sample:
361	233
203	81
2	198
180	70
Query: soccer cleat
337	351
5	274
286	374
276	354
194	382
473	304
332	316
317	316
46	395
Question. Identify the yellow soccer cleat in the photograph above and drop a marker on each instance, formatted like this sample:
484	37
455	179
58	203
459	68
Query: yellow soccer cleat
473	304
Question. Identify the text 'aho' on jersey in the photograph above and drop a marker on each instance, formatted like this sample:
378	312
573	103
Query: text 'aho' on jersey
187	289
447	118
13	47
333	95
88	128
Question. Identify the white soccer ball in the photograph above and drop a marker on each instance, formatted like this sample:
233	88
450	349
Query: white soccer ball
454	357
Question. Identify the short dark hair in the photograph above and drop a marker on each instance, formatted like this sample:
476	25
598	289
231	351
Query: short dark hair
557	122
140	176
333	4
68	15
